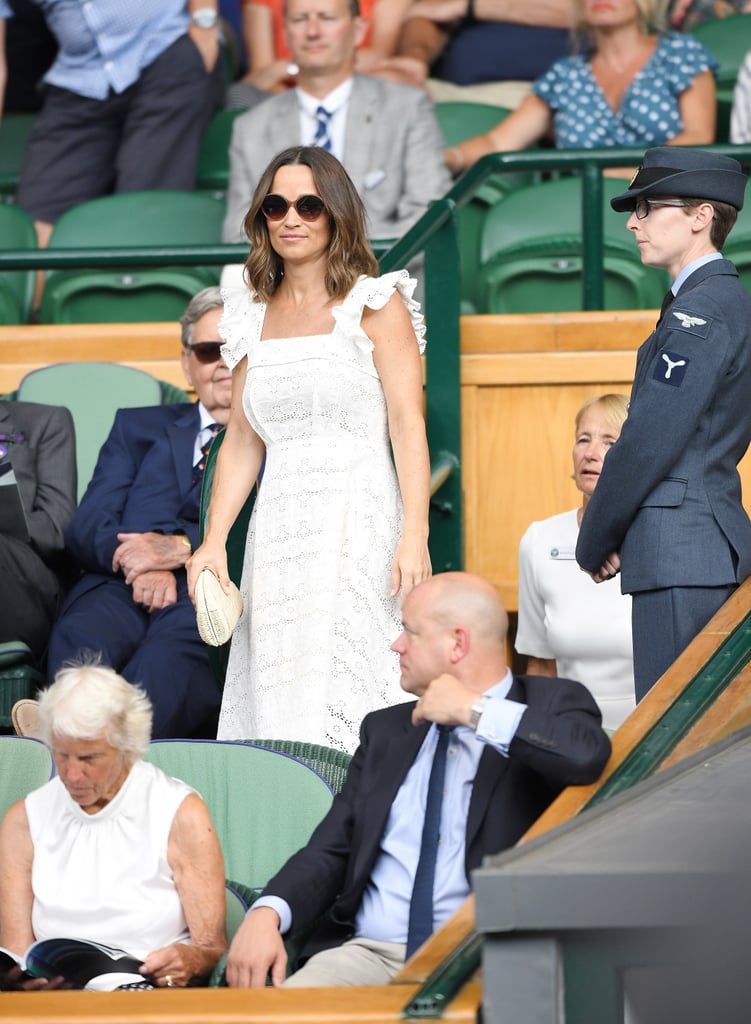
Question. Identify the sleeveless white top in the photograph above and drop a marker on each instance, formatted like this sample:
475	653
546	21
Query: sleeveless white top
105	876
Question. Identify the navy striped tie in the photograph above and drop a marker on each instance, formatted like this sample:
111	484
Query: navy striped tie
322	137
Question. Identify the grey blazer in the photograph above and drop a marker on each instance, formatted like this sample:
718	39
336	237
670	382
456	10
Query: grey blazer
669	496
393	152
44	463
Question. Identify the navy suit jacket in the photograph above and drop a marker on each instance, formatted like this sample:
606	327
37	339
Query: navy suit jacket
141	483
559	742
669	495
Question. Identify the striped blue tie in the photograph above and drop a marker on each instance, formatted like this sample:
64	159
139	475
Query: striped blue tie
322	137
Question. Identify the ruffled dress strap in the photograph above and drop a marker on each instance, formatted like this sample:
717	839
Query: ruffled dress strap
240	325
374	292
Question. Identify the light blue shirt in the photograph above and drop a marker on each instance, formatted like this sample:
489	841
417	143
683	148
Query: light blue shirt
691	267
384	910
105	44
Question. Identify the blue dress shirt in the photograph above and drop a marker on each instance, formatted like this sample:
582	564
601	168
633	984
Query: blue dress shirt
105	44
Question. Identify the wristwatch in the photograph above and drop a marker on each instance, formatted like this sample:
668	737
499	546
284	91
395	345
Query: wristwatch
205	17
477	709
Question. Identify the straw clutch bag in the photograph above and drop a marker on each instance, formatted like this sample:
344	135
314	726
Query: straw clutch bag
217	613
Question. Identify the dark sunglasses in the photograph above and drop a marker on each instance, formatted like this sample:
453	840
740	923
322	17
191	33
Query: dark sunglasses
309	208
207	351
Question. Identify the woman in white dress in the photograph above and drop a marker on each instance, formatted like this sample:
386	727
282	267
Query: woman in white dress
570	626
327	382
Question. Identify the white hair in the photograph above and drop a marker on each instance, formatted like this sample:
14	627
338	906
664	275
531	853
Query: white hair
87	701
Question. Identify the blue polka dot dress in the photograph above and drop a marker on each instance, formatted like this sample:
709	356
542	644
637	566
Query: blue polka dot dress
649	114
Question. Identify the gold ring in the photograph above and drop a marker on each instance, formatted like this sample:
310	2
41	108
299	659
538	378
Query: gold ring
169	981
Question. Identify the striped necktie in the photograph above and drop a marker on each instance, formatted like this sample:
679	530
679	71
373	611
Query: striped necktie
322	137
201	464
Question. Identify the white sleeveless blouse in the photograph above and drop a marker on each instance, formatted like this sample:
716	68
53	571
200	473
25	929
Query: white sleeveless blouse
105	876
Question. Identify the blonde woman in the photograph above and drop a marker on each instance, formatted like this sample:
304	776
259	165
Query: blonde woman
568	625
631	84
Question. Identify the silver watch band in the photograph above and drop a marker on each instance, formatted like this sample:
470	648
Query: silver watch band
477	709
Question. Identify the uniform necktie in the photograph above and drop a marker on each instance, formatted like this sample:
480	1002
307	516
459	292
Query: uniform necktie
201	464
322	137
666	302
421	905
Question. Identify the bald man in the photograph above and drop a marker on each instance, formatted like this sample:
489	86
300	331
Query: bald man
516	742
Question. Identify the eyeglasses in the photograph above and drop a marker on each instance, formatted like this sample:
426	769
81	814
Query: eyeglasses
207	351
309	208
643	206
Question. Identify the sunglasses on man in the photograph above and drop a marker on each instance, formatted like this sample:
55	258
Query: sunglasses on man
207	351
309	208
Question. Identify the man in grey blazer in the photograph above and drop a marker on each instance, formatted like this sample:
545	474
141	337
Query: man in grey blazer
386	135
667	510
38	446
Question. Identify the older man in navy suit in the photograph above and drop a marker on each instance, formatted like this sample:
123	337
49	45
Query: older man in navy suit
391	860
667	510
133	532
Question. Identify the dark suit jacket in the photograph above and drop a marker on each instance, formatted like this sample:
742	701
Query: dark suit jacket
559	742
669	496
141	483
32	574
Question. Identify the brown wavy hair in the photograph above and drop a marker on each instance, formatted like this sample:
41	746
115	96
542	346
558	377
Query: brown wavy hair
349	253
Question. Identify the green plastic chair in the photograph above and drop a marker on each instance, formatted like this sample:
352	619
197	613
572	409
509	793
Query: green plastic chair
727	39
218	656
264	803
20	678
16	286
329	762
458	121
93	392
154	218
531	253
25	764
213	157
14	133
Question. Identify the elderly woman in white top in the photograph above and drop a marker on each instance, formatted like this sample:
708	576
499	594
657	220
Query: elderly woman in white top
568	625
112	849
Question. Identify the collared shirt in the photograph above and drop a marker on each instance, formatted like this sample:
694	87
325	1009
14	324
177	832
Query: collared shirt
204	432
384	911
336	104
691	267
105	44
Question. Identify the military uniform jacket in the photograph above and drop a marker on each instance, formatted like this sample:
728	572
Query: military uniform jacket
669	496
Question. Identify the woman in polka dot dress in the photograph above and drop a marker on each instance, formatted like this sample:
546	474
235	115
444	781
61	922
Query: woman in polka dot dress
630	85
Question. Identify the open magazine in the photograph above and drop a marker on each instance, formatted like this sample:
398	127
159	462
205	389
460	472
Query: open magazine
83	964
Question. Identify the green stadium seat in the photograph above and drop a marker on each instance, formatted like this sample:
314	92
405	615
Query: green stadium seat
213	158
16	286
460	120
264	803
154	218
25	764
531	254
14	132
727	39
93	392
